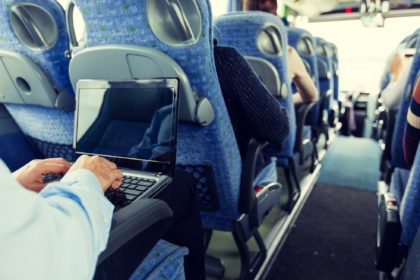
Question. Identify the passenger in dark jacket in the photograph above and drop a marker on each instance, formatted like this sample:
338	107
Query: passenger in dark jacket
253	111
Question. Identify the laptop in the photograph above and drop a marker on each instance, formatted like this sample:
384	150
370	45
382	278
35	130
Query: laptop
133	124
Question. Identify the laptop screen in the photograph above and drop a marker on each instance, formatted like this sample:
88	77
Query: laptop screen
132	123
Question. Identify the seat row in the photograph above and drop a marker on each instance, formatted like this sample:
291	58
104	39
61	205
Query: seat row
42	60
400	186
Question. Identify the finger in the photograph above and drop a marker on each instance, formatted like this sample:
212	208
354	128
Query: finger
117	177
47	167
58	161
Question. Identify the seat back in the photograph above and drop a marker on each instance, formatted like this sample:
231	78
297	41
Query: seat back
335	70
411	269
262	37
410	205
34	73
397	155
305	45
325	70
151	38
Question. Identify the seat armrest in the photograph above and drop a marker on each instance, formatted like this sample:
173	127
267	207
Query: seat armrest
301	116
247	197
132	220
388	233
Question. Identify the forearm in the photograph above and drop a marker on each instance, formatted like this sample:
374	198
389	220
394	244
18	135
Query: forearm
306	88
297	98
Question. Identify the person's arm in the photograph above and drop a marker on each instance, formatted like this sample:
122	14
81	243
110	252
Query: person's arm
300	76
392	94
267	119
412	129
59	233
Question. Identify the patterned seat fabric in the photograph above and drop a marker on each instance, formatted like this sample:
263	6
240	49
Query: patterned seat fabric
231	32
410	205
165	261
126	22
399	182
49	128
325	83
397	155
295	36
335	70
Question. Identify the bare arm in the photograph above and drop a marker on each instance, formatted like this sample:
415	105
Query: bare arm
303	81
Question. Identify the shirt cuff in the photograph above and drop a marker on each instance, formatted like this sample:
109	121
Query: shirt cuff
83	177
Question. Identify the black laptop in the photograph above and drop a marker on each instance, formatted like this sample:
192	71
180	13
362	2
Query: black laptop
133	124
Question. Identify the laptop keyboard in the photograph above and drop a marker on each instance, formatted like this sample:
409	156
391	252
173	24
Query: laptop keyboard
130	189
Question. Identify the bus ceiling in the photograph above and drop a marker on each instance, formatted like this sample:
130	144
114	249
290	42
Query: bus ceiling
371	12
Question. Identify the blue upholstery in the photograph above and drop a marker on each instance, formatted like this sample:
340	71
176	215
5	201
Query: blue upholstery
46	126
125	22
335	72
231	32
398	183
410	206
295	35
9	144
325	84
397	156
164	262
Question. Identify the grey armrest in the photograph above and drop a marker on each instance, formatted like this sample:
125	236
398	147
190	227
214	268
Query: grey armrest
133	220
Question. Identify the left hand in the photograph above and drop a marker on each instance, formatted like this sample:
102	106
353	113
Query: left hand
31	175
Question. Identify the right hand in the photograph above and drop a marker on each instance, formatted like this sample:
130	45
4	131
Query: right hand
106	171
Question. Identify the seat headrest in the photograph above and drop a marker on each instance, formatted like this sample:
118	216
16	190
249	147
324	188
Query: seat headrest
34	26
32	56
323	71
268	75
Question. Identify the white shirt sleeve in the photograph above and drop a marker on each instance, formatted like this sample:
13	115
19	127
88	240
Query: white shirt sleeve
392	94
57	234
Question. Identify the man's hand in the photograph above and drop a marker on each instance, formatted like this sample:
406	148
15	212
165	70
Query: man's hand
31	175
106	171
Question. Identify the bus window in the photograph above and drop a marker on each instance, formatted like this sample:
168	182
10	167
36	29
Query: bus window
363	51
219	7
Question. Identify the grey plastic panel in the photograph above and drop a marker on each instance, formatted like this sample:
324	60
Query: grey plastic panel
323	71
175	22
269	41
23	82
35	27
267	73
308	67
124	62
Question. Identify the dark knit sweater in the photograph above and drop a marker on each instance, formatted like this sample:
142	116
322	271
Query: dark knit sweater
253	111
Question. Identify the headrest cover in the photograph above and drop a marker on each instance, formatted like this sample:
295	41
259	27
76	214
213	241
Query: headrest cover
305	46
323	71
34	26
175	22
269	41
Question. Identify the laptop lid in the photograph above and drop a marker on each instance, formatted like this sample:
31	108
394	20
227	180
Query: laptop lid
132	123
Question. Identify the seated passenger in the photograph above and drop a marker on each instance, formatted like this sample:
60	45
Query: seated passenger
412	127
269	6
253	111
298	75
399	67
59	232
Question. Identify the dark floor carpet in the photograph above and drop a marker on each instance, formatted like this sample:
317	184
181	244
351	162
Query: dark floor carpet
352	162
333	238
